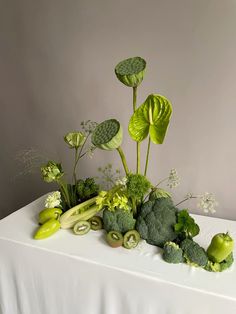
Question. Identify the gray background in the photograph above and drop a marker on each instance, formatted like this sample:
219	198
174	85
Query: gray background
56	69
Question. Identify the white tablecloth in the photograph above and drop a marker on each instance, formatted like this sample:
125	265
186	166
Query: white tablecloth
68	274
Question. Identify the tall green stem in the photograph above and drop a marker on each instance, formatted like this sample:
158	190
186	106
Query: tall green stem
64	191
138	144
134	98
138	158
75	164
123	159
147	156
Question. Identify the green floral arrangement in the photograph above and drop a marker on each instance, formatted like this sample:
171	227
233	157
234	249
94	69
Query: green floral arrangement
132	208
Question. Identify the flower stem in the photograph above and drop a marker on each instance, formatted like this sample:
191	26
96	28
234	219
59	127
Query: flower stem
123	159
75	164
186	199
64	191
134	98
138	143
78	156
147	156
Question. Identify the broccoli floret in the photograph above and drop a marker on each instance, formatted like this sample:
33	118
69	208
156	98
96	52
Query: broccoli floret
156	220
172	253
118	220
193	253
219	267
86	189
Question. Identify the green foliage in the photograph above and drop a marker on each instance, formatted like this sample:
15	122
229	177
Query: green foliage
107	135
137	186
113	199
74	139
118	220
156	220
219	267
86	189
52	171
131	71
151	118
194	254
158	193
186	225
172	253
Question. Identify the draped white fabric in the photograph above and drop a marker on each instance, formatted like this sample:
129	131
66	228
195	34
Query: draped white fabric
68	274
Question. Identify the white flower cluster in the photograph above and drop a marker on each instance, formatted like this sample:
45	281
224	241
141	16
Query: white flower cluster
207	203
122	181
173	179
53	200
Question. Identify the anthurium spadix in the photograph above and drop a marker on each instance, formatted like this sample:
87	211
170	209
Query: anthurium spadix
151	118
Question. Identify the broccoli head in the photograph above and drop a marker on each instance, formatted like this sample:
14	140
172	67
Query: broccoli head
156	220
219	267
193	253
118	220
172	253
86	189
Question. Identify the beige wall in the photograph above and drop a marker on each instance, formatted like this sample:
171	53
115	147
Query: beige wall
56	69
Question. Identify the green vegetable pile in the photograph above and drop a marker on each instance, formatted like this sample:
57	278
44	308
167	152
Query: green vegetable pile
132	208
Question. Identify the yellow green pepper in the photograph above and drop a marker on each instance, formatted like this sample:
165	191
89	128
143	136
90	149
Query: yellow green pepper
47	229
220	248
49	213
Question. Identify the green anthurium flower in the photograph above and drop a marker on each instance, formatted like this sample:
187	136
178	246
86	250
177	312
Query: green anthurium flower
131	71
74	139
107	135
52	171
151	118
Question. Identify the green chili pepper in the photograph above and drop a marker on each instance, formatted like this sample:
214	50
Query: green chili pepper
221	246
47	229
49	213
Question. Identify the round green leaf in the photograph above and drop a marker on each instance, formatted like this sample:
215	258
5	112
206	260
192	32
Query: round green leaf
151	118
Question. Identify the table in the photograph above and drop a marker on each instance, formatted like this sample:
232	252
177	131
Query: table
69	274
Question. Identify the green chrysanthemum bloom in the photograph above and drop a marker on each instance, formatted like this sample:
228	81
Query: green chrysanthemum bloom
131	71
74	139
52	171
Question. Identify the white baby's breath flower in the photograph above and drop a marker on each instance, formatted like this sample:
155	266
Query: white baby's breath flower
91	151
189	196
122	181
207	203
173	179
53	200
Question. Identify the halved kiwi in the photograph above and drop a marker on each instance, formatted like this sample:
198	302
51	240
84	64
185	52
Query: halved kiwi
131	239
96	223
82	227
114	238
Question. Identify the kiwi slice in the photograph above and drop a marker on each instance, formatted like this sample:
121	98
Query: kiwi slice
114	238
131	239
82	227
96	223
